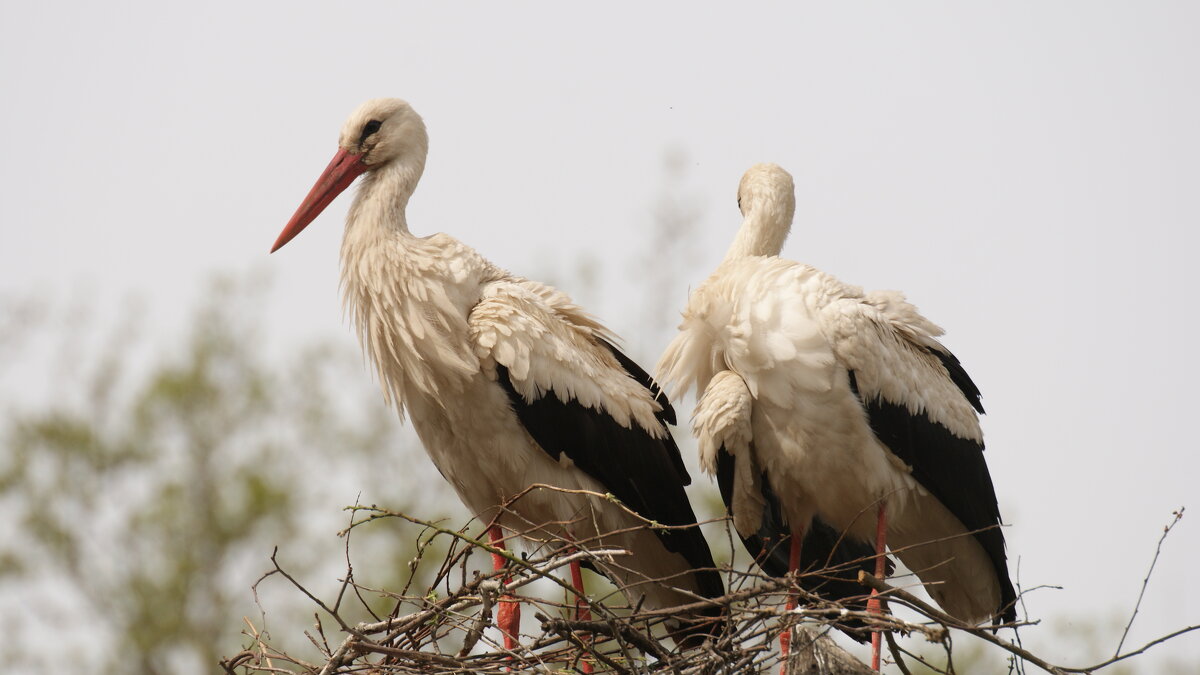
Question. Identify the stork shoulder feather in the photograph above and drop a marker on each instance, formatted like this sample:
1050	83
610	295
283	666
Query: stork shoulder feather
888	344
754	316
722	421
549	345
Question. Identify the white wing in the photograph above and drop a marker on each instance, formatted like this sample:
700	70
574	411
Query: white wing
894	355
722	421
751	316
546	344
577	395
783	326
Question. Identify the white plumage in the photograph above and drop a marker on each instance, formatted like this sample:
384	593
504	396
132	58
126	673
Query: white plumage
499	374
841	400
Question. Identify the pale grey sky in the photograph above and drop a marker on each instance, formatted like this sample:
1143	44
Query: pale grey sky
1026	172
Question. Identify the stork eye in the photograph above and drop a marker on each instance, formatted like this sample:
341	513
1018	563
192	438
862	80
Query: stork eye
368	129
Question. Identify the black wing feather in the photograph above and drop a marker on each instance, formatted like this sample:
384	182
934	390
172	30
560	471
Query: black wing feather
823	548
667	414
642	471
960	378
952	469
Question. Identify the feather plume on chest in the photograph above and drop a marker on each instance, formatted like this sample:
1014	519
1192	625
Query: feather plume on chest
409	299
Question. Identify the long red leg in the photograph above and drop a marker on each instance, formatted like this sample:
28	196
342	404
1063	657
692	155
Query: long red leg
785	638
508	613
582	611
874	605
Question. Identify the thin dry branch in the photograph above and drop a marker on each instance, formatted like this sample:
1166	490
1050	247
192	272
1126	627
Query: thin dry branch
986	633
451	630
1177	516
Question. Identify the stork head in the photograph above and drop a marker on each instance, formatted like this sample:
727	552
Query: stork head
381	133
767	186
382	130
767	199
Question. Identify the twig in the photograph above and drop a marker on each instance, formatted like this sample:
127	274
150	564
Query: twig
570	636
1145	582
1140	650
622	632
426	657
896	651
421	632
236	660
949	621
916	658
483	618
985	634
331	612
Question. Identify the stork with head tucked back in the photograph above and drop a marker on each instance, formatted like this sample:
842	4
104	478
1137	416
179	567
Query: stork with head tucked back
507	383
838	408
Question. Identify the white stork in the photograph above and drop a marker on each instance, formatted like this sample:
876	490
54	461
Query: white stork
508	384
826	403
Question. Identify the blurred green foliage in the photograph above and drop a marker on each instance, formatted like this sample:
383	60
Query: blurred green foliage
142	506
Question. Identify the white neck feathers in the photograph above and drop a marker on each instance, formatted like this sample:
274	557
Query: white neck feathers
767	198
408	297
763	231
383	197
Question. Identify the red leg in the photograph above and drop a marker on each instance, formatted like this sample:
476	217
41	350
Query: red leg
508	613
582	611
785	638
874	605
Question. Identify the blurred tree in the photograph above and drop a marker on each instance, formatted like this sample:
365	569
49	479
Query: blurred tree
144	507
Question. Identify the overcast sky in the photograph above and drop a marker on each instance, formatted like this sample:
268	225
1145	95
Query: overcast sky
1028	173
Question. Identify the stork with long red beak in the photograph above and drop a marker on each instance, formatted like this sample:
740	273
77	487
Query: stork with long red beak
507	382
828	412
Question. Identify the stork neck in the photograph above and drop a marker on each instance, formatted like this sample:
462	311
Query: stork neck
763	232
383	197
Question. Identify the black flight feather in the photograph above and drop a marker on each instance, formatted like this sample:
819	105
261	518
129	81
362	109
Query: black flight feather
952	469
641	471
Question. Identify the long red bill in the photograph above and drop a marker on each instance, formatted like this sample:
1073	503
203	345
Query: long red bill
338	176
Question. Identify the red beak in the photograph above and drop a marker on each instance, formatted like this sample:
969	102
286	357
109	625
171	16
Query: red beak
338	176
